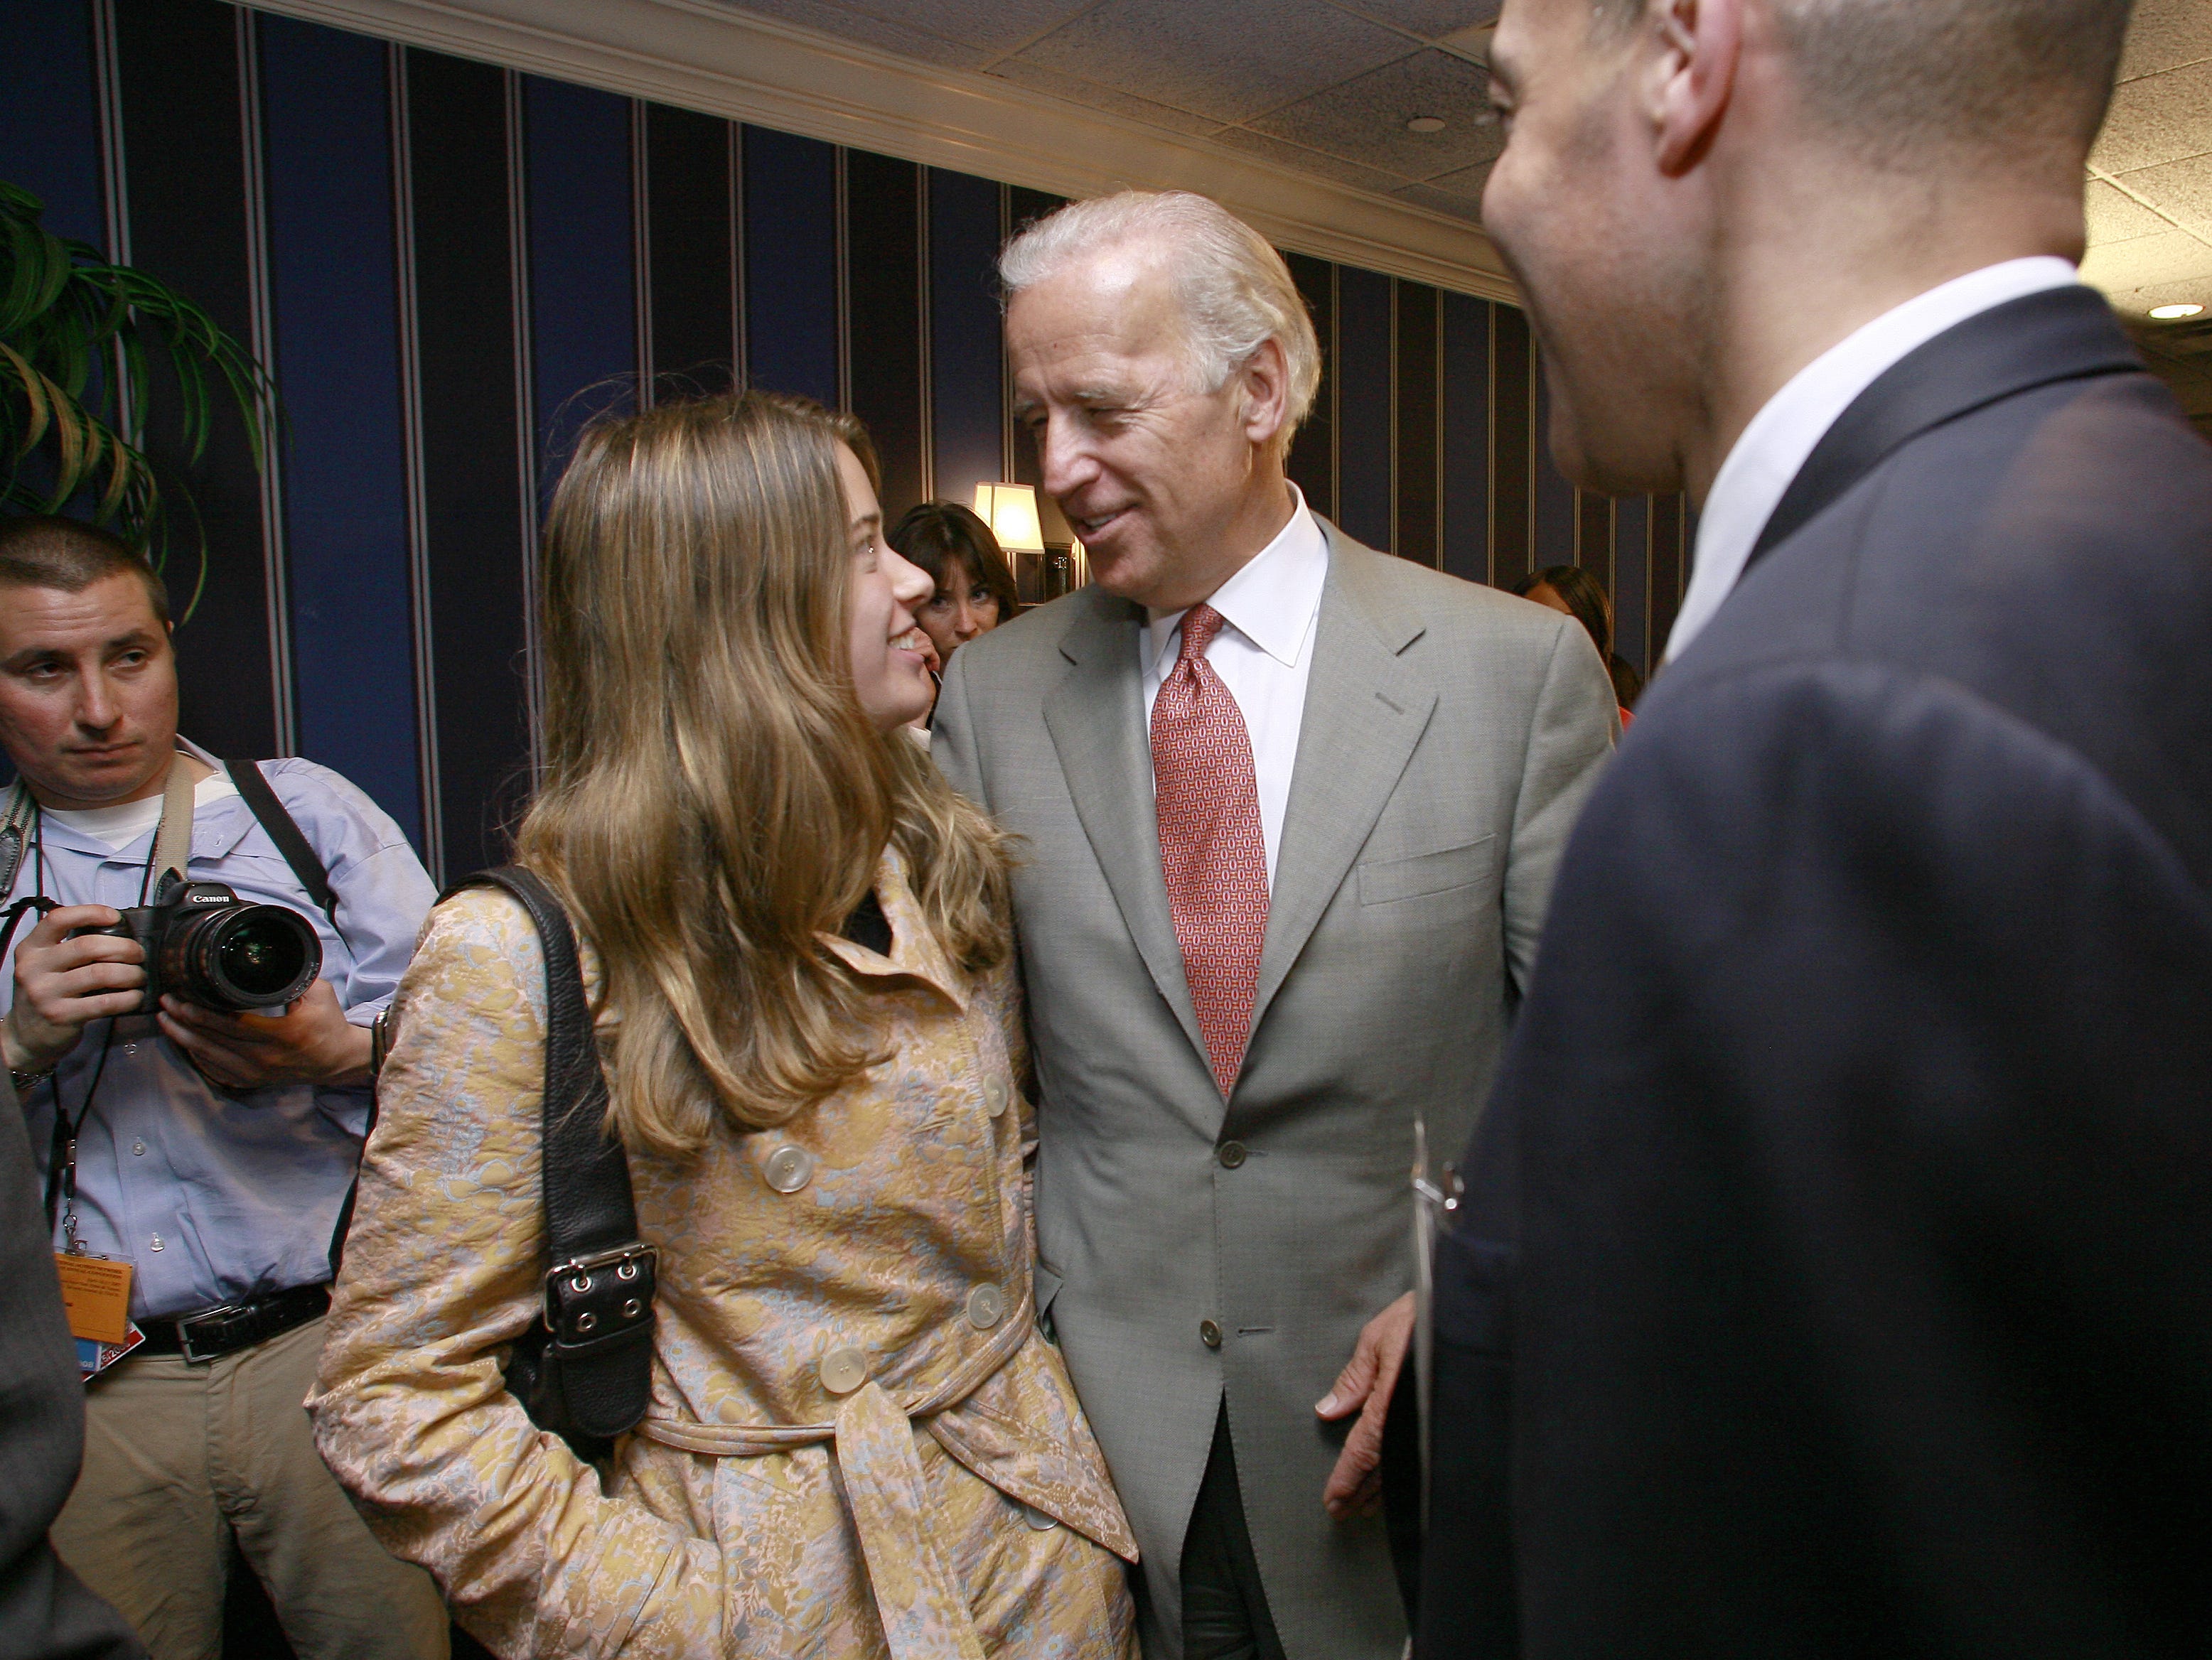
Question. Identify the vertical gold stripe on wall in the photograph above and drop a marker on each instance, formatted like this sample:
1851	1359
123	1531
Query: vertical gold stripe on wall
922	267
640	257
525	405
844	245
276	585
418	512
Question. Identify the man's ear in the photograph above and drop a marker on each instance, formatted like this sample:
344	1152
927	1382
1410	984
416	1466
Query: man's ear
1265	380
1698	44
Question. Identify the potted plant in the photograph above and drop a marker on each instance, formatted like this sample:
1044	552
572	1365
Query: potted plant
77	336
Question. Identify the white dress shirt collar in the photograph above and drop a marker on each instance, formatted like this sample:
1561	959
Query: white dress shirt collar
1272	601
1782	434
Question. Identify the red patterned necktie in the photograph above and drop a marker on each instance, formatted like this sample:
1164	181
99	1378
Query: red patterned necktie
1211	852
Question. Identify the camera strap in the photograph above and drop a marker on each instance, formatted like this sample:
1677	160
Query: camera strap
253	785
173	842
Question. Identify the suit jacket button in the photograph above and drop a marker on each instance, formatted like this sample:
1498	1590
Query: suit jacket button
985	1306
843	1370
1231	1154
1209	1333
788	1169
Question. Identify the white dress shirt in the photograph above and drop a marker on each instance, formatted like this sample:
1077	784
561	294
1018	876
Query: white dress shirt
1782	434
1263	655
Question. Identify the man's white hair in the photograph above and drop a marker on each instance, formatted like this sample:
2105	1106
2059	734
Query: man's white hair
1237	292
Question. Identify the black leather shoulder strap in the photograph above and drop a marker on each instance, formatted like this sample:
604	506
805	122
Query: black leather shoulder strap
2059	334
588	1206
253	785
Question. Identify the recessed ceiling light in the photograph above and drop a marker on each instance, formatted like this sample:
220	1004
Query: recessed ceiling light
2169	313
1426	123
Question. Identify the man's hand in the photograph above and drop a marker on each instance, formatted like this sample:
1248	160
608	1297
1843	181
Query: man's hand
62	983
311	1042
1364	1386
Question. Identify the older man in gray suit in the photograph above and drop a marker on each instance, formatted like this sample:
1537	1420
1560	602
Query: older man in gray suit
1291	810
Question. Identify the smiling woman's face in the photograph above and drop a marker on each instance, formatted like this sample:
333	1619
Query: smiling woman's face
889	669
960	609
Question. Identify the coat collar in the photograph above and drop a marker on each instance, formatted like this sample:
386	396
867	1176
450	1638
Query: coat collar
915	952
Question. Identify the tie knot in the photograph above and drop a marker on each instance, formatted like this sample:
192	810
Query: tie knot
1200	625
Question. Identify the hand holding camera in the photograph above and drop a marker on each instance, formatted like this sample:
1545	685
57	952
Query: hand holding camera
66	979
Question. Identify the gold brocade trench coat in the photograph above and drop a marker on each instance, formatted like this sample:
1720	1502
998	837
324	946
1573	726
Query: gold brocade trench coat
859	1443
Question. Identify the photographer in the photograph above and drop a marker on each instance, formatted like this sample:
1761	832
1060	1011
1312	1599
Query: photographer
210	1151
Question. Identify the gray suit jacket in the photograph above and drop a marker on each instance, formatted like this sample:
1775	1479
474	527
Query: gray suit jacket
1450	734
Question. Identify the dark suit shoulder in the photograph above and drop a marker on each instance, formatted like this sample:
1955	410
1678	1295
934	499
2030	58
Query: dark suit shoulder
2052	553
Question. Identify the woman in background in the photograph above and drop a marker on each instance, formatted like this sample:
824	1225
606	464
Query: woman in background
797	948
1575	592
974	590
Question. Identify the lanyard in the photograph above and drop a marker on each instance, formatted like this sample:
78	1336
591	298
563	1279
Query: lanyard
171	853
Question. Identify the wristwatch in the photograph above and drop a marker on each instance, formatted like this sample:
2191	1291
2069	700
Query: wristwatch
379	1041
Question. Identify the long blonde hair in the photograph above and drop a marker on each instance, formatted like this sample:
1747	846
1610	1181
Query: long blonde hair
714	796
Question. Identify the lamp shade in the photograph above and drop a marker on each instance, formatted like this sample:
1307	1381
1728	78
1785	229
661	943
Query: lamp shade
1011	510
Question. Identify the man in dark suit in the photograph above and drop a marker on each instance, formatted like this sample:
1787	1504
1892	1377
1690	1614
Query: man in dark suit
44	1610
1834	1276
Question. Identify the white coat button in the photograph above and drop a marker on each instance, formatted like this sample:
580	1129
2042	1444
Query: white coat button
1037	1519
994	1096
139	1148
789	1168
985	1305
843	1370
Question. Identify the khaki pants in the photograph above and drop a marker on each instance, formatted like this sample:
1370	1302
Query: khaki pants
179	1457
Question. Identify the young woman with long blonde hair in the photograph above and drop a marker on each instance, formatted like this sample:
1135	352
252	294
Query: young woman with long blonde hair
797	948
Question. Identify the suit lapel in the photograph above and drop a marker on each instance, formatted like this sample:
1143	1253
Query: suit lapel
2059	334
1366	711
1095	716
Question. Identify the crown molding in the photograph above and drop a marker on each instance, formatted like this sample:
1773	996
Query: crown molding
700	55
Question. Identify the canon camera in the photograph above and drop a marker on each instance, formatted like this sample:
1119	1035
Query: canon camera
208	946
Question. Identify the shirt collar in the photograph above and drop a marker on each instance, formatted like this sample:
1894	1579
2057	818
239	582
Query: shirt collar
1782	436
1273	599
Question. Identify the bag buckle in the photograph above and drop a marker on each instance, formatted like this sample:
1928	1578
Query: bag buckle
600	1295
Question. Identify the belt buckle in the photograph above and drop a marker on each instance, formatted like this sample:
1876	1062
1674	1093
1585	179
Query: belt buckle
220	1311
633	1265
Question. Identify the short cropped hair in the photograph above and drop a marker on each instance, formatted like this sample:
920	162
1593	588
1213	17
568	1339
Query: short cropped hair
45	550
1893	76
1236	292
937	535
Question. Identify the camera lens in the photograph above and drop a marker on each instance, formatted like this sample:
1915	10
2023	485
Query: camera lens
246	956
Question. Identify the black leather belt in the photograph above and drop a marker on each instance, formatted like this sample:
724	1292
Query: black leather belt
229	1327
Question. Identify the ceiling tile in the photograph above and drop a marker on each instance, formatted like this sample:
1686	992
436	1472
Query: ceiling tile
2162	118
1000	25
1308	161
1431	18
847	24
1226	61
2182	191
1038	78
2119	268
2114	216
1428	196
1364	119
1468	181
2164	34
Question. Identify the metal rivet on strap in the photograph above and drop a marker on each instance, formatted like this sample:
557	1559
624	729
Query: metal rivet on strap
843	1370
985	1305
788	1169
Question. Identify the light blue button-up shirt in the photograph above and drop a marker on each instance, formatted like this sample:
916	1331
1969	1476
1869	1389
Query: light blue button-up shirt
215	1196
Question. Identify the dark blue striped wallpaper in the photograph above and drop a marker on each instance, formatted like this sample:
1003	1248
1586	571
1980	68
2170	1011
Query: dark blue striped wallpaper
450	266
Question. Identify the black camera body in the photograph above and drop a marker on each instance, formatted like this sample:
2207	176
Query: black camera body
208	946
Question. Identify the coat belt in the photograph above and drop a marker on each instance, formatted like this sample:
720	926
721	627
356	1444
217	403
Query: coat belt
924	1611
